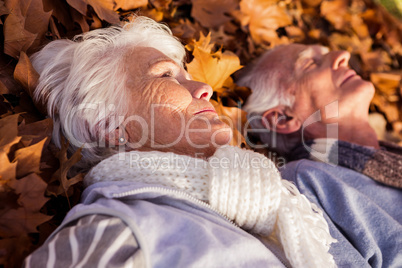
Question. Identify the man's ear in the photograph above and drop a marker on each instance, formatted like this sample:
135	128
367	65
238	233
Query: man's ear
278	120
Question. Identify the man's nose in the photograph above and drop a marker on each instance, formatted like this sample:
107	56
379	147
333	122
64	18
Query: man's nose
339	59
199	90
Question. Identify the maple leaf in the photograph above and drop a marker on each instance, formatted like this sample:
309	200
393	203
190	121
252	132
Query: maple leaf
235	118
263	18
26	218
13	250
25	26
212	68
212	13
61	174
129	4
28	159
103	8
159	4
336	12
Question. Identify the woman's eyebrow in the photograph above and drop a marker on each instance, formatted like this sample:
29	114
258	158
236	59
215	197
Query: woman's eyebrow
161	60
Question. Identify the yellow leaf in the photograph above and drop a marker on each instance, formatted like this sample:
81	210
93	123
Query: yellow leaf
235	118
212	68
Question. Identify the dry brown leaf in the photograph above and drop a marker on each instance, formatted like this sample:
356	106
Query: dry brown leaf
25	27
61	174
129	4
60	10
3	10
221	38
25	74
263	19
187	30
391	110
213	68
350	43
13	250
212	13
8	170
387	83
159	4
312	3
25	219
376	61
16	38
37	131
103	8
28	159
8	131
152	13
336	12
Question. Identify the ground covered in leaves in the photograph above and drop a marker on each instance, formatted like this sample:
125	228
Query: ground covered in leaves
220	36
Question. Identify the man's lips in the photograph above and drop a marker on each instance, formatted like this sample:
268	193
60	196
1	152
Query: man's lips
348	75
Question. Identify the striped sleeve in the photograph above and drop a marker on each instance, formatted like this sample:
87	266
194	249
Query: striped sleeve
91	241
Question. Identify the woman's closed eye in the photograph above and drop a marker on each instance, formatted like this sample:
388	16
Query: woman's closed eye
167	74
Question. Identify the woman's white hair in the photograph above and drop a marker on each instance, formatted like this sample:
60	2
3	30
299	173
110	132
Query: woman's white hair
269	90
83	82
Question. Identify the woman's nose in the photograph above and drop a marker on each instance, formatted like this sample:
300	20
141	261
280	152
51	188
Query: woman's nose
340	59
199	90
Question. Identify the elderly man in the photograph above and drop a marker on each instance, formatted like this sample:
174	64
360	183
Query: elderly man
308	104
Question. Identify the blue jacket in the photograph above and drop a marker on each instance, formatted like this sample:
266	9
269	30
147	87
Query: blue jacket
130	224
363	215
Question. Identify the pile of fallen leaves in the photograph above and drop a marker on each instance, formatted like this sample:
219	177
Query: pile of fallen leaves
220	36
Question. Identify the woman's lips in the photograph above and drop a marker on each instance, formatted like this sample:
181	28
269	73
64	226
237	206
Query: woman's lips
349	75
206	110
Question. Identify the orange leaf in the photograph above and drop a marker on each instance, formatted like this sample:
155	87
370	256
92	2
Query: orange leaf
336	12
28	159
129	4
8	170
212	13
263	18
25	74
8	132
212	68
103	8
387	83
235	118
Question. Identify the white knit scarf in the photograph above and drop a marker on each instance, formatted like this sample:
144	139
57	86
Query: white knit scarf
241	184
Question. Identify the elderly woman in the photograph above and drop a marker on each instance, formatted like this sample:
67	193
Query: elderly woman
310	105
164	190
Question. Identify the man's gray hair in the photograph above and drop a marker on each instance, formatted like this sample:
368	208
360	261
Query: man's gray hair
269	90
83	82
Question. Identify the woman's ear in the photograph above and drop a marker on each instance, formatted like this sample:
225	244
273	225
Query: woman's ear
277	120
117	137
